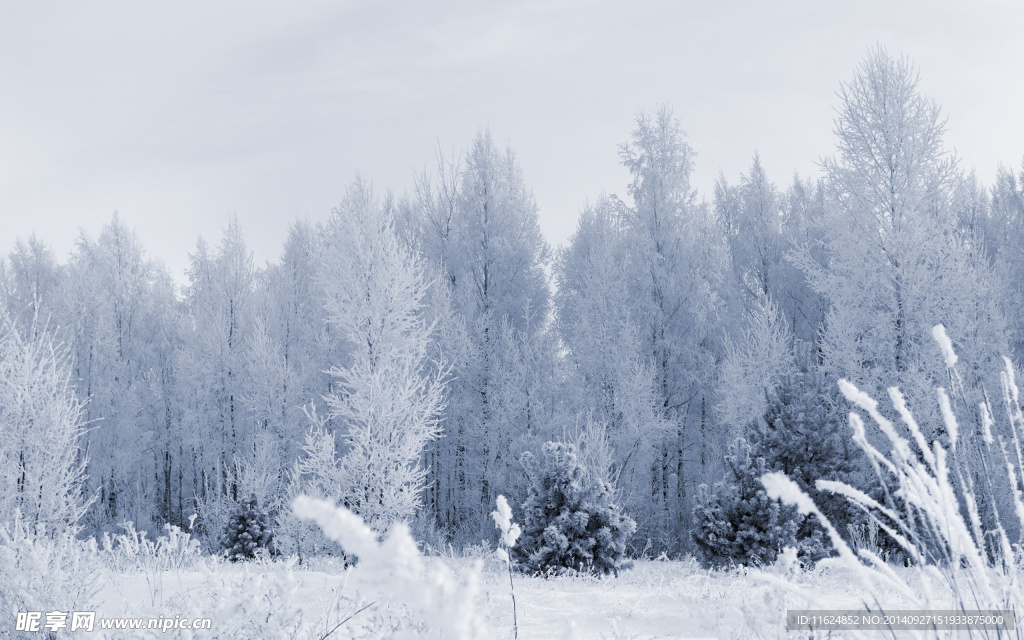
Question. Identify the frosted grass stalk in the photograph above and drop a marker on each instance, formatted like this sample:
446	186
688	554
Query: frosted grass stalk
938	514
509	534
395	569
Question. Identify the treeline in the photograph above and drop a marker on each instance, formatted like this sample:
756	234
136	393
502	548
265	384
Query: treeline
669	324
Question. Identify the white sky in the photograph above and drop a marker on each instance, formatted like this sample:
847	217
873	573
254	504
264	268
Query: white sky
179	114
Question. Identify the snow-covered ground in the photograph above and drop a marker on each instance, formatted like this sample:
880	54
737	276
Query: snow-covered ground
654	599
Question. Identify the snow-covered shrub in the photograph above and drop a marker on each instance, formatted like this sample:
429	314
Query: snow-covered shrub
937	523
247	531
133	550
395	570
570	520
177	548
736	522
44	572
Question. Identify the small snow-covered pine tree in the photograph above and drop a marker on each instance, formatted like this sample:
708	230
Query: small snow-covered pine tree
736	522
799	435
572	523
247	531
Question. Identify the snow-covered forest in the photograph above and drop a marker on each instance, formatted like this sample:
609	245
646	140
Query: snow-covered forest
419	355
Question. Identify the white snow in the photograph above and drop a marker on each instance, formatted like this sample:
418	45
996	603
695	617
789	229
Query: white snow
654	600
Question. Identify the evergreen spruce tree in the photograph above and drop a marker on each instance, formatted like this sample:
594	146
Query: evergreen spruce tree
798	433
246	531
736	522
572	523
800	436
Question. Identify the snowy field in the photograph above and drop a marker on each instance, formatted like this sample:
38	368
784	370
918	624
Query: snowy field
781	386
655	599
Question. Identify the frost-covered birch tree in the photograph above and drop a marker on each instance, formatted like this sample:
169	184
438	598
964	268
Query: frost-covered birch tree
390	396
615	385
895	264
752	216
109	306
677	259
296	320
477	224
499	258
219	303
804	226
41	469
28	279
268	394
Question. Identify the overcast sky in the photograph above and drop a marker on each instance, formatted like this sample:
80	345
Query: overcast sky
180	114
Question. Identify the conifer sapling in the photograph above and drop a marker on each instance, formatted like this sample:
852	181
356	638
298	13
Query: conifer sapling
246	532
571	521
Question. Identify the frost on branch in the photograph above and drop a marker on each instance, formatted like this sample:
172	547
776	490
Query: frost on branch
41	470
395	569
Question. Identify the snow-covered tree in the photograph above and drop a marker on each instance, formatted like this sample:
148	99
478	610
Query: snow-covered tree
175	494
268	395
570	520
247	531
799	434
805	227
499	255
28	279
219	301
754	367
752	216
41	423
1002	232
389	395
476	223
639	308
111	305
296	322
735	522
677	263
615	385
895	264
